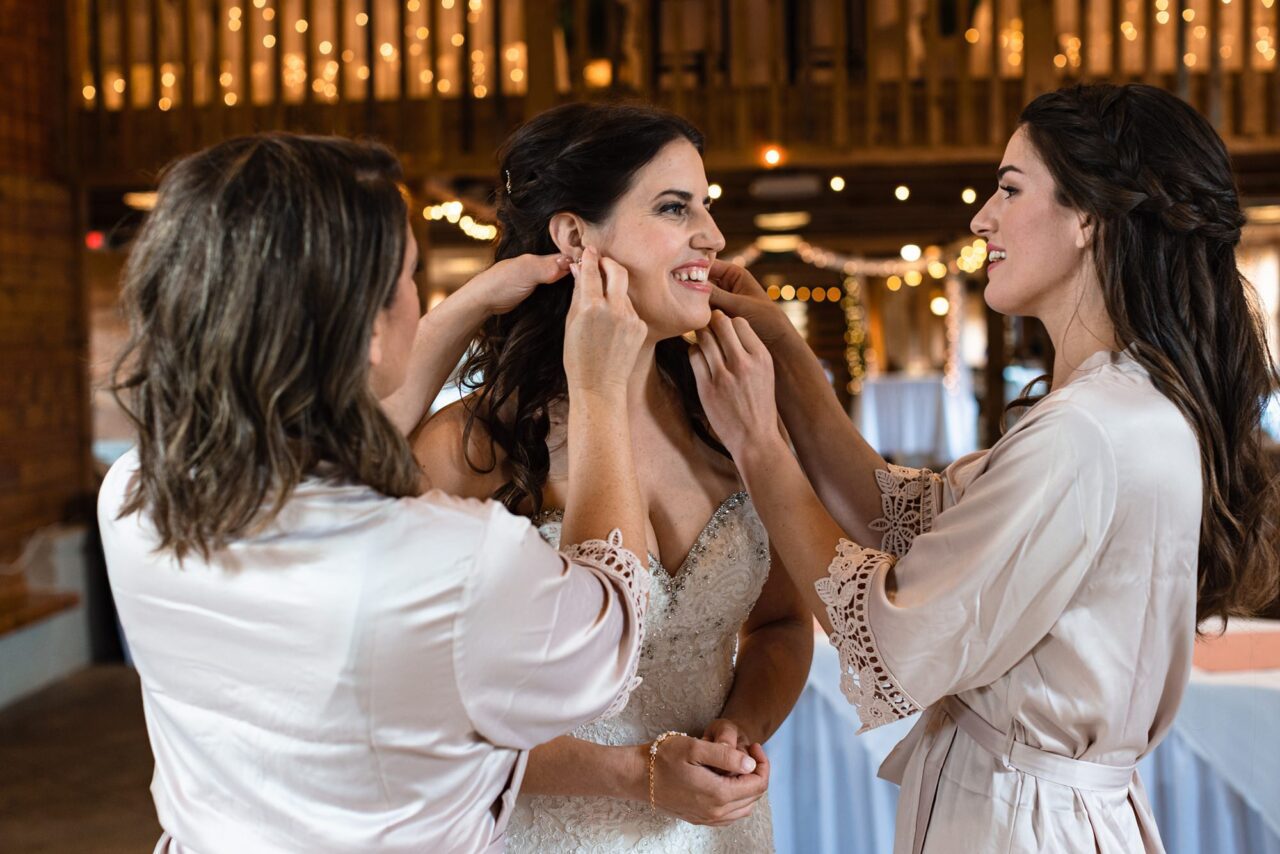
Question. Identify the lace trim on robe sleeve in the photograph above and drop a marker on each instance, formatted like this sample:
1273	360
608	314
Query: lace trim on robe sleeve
864	677
909	498
610	557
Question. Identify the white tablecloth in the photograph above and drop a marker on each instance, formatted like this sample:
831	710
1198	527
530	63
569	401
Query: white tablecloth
1214	782
917	417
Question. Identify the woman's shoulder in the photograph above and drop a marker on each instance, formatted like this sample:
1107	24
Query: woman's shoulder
473	469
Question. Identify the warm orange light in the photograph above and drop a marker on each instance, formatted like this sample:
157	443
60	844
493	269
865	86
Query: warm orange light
772	156
598	74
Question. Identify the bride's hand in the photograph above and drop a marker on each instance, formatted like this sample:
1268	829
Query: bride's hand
725	731
702	782
738	294
735	382
509	282
602	334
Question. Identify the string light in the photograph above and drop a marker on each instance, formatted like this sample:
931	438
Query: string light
451	211
714	191
837	183
855	333
910	252
968	195
902	192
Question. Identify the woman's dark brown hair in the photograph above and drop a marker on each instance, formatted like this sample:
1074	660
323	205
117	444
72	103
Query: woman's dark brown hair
1156	180
579	158
251	294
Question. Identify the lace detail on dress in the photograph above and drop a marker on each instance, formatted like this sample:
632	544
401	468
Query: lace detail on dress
612	558
687	663
864	677
908	497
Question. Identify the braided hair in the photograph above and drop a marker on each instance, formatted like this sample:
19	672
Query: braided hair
1156	180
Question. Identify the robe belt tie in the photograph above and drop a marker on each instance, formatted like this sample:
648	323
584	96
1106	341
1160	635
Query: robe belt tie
1041	764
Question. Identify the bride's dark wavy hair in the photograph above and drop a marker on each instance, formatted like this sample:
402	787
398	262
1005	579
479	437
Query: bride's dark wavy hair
581	159
1156	180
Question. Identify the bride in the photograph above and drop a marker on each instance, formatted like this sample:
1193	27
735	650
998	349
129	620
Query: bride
728	642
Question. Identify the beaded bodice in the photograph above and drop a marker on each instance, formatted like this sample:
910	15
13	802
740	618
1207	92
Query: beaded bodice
686	668
691	631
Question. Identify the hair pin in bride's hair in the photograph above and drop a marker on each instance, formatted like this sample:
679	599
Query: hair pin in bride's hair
508	174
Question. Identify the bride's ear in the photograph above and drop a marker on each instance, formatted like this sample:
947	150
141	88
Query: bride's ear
567	231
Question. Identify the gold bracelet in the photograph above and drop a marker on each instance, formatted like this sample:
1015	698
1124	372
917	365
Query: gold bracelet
653	760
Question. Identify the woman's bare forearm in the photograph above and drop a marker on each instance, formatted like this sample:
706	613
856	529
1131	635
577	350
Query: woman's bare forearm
800	529
837	460
571	767
772	667
442	337
604	491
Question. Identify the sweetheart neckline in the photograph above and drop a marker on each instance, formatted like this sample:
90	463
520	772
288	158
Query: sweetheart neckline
722	510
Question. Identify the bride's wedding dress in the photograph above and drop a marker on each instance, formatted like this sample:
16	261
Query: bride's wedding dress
686	665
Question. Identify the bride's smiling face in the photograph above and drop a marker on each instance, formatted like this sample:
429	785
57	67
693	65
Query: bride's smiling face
661	230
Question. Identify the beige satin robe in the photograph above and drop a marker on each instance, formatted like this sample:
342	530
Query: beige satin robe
1049	585
368	674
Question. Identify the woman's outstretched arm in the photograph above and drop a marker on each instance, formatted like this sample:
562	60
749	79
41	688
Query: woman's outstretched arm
775	649
838	461
444	332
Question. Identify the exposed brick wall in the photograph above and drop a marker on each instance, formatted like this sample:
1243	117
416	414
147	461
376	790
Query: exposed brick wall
44	433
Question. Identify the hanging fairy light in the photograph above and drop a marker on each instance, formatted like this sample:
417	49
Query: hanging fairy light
855	333
451	211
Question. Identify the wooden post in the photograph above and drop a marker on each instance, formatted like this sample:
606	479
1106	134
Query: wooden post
1117	43
246	63
578	54
932	83
539	25
371	58
1215	110
188	76
738	64
308	47
873	85
1038	48
995	132
1183	85
777	67
126	74
339	46
904	74
435	121
1083	32
840	78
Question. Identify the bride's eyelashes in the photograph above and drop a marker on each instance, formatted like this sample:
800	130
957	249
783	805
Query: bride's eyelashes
679	209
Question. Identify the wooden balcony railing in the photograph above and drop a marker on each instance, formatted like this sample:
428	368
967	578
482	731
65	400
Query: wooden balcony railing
831	81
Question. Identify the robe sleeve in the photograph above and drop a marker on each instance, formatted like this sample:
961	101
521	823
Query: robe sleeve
547	641
976	589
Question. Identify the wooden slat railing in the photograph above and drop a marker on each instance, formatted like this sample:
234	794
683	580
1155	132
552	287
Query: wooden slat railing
830	80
